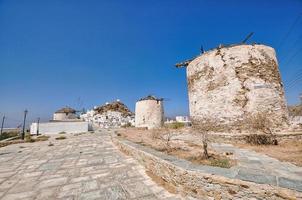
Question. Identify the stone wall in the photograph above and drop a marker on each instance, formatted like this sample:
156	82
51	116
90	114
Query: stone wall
201	182
149	113
226	84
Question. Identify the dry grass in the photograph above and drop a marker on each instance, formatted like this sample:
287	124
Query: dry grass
6	143
288	151
164	140
42	138
60	138
6	135
213	160
258	122
175	125
261	139
28	138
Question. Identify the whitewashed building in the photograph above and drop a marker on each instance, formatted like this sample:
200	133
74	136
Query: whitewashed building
55	127
182	119
110	115
64	120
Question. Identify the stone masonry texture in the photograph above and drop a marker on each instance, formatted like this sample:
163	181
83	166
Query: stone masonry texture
226	84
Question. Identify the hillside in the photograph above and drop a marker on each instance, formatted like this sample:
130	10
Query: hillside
114	106
295	110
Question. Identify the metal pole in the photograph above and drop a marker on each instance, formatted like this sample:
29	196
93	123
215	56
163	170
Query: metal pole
2	124
23	130
247	37
38	126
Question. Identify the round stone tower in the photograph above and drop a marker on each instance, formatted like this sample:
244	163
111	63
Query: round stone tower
65	114
149	112
227	84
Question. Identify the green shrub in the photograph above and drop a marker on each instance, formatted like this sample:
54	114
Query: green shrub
28	138
224	163
127	125
6	135
42	138
61	138
176	125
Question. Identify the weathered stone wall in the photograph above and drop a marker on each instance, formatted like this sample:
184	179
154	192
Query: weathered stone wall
188	180
229	83
149	113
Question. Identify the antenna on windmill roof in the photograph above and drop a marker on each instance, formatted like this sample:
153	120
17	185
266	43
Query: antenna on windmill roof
247	38
201	49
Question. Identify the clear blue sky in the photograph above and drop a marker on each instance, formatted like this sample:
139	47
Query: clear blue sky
54	52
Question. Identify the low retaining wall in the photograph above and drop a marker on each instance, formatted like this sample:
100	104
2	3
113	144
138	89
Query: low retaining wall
241	137
200	181
57	127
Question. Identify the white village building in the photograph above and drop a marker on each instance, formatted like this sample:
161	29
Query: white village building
182	119
110	115
64	120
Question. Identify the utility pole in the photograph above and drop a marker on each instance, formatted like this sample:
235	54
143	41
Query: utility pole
38	126
3	118
23	130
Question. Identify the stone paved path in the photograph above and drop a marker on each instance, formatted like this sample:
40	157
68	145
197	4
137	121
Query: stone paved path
253	166
85	166
256	167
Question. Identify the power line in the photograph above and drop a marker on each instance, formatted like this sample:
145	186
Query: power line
297	75
289	31
294	81
293	56
12	119
298	82
292	47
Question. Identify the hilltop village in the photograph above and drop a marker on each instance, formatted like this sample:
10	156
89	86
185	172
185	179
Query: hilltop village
149	113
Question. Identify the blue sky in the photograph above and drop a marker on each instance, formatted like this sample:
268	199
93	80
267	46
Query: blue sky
85	53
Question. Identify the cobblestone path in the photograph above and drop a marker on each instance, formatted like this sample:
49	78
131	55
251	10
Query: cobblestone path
260	168
85	166
252	166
